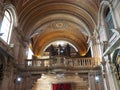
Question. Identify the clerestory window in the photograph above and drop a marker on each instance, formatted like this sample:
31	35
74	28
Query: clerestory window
109	22
6	27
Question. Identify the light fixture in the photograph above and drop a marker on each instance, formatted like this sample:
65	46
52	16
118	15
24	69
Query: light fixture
97	78
19	79
61	51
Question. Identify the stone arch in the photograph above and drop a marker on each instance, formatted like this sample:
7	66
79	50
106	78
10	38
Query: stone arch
116	62
102	10
12	10
116	53
104	6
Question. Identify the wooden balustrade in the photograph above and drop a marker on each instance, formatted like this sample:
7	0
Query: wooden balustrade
62	61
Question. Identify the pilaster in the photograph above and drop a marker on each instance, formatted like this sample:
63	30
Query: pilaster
7	80
103	65
108	73
91	81
96	49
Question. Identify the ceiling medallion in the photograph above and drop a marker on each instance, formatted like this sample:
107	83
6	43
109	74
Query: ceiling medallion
59	25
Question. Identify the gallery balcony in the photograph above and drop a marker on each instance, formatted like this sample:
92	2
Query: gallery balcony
60	64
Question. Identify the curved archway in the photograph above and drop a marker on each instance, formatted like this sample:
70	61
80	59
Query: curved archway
8	23
59	35
62	43
114	58
116	61
102	10
13	12
106	22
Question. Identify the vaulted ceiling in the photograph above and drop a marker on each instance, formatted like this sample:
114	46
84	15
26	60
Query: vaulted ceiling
45	21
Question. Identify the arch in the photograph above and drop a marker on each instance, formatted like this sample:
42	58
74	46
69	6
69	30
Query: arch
116	61
63	41
104	6
12	10
66	33
114	58
8	23
40	49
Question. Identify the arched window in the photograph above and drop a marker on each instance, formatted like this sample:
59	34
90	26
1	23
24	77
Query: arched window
109	22
6	26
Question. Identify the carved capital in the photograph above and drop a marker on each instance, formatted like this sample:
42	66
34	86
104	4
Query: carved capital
94	40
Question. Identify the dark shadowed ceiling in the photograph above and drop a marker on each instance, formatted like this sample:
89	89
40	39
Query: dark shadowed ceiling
45	21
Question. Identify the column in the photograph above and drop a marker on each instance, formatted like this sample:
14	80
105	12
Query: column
91	81
104	75
4	85
96	50
101	82
27	81
109	76
7	78
11	78
18	80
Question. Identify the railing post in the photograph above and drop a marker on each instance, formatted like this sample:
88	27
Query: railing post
42	62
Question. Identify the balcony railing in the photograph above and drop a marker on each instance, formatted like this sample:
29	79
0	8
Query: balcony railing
62	62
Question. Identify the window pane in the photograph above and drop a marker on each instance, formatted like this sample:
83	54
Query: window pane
109	23
6	26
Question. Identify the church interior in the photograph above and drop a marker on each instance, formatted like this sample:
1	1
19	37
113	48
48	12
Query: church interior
59	44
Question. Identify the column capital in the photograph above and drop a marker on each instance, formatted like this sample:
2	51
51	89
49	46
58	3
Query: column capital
94	40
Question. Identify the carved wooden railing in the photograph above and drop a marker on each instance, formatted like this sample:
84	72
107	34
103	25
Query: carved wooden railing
62	62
